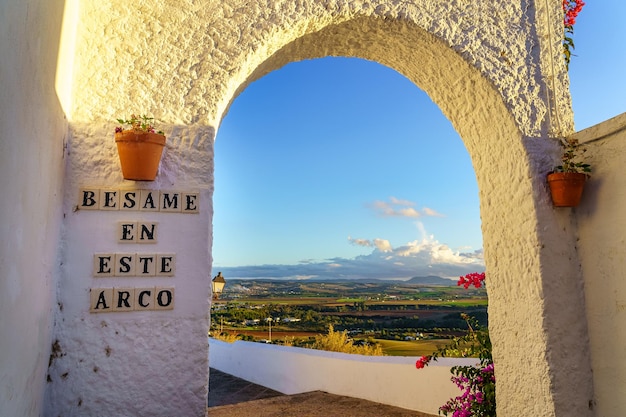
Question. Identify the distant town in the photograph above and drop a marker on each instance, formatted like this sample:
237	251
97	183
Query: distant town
404	318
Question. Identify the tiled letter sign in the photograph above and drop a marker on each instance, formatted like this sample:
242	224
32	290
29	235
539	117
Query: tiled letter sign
134	264
136	232
138	200
112	300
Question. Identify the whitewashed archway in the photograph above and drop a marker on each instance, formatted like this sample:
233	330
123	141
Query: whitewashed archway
495	71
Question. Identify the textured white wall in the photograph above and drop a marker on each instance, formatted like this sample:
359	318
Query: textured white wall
382	379
140	363
602	231
188	63
32	131
481	62
494	69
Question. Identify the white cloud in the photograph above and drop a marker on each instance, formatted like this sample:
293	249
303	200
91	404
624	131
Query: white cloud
360	242
408	212
399	202
432	213
422	257
303	277
383	245
401	208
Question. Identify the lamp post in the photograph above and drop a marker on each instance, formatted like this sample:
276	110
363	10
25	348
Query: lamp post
218	284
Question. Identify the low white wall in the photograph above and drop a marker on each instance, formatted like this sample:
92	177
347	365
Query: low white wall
388	380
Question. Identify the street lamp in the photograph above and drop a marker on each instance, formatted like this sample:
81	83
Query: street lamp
218	285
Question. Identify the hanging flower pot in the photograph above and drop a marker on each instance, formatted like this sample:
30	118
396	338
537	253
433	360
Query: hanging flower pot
139	149
140	154
568	179
566	188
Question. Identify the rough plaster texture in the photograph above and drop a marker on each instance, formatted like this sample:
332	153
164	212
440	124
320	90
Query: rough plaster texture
188	60
32	132
602	231
493	67
479	61
144	363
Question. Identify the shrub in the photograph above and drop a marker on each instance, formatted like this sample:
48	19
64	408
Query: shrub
227	337
336	341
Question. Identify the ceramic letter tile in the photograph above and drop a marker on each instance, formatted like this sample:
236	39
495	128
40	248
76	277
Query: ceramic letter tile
103	264
125	264
109	199
101	300
190	203
129	200
166	264
169	202
89	199
127	232
146	265
147	232
164	298
149	200
144	298
123	299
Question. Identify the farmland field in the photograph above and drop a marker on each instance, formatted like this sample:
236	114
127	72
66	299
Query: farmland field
389	313
410	348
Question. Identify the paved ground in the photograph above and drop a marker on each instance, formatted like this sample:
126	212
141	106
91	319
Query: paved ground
225	389
233	397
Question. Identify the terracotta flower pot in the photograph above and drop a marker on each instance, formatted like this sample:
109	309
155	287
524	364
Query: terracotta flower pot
566	188
140	154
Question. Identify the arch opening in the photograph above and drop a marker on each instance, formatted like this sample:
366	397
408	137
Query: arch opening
496	146
498	117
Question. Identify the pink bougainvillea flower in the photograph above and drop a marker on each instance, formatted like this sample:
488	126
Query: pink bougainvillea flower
571	9
422	362
476	279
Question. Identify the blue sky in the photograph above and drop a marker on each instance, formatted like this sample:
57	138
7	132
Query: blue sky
343	168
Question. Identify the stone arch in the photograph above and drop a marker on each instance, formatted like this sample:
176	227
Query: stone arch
485	64
472	104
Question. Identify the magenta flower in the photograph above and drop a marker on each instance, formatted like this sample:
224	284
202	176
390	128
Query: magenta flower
476	382
476	279
422	362
571	9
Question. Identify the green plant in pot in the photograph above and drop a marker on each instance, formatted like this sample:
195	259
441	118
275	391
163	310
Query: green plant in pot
567	181
139	147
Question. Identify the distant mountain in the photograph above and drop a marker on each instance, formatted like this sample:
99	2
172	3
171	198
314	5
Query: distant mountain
431	280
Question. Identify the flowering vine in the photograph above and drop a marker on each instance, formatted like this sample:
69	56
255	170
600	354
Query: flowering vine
477	382
571	8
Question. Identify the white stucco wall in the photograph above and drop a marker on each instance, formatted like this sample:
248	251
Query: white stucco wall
382	379
136	363
481	62
602	232
32	131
